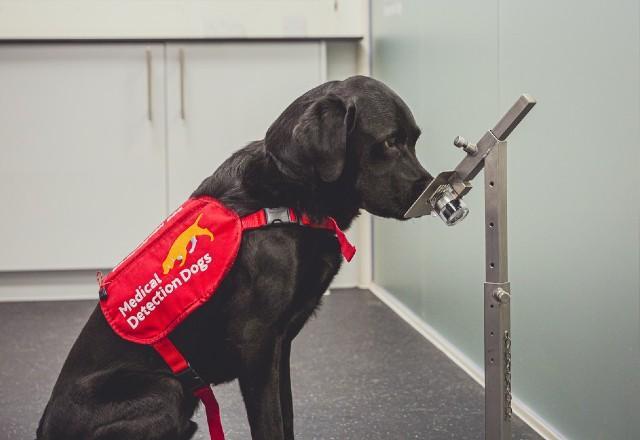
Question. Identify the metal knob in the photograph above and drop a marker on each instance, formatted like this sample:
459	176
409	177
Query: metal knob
462	143
502	296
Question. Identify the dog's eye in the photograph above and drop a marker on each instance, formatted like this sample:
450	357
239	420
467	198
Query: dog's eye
395	140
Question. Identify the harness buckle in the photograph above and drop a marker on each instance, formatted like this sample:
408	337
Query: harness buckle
190	379
278	215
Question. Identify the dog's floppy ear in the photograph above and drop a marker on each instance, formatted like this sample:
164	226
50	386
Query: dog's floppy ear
318	139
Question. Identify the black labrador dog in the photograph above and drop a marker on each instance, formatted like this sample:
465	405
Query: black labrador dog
341	147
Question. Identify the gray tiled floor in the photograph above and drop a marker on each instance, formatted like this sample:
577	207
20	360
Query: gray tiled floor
359	372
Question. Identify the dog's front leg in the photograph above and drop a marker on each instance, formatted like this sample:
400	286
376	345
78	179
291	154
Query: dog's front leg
286	398
260	386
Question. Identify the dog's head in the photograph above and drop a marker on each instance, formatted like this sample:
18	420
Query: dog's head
357	135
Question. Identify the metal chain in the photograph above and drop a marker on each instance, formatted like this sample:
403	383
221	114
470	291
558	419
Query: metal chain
507	376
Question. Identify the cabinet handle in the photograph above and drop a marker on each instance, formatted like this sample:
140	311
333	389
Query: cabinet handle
149	87
182	106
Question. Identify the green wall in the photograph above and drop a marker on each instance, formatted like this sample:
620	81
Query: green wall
574	167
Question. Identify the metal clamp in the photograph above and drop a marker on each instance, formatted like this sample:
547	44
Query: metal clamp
449	208
459	179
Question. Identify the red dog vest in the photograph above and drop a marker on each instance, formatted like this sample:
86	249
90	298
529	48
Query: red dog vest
176	270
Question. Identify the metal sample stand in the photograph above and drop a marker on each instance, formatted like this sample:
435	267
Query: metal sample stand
497	295
443	197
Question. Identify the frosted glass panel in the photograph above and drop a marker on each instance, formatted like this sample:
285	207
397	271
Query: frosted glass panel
574	193
441	57
574	216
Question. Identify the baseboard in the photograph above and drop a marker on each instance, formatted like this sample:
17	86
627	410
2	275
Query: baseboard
523	411
38	297
68	285
62	285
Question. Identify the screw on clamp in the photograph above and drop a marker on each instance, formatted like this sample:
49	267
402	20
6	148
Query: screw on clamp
470	149
502	296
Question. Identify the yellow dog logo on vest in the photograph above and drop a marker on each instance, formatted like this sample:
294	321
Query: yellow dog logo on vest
178	251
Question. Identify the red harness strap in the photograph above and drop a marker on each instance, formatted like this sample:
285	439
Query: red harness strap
348	250
177	362
200	389
287	215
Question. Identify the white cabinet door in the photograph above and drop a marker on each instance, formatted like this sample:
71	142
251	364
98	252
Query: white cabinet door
224	95
82	166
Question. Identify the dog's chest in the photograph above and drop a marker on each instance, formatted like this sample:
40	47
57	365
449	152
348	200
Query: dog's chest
284	272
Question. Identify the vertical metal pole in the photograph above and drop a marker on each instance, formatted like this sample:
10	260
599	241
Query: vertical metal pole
497	295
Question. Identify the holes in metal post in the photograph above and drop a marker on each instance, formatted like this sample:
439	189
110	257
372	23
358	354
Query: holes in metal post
491	265
491	183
